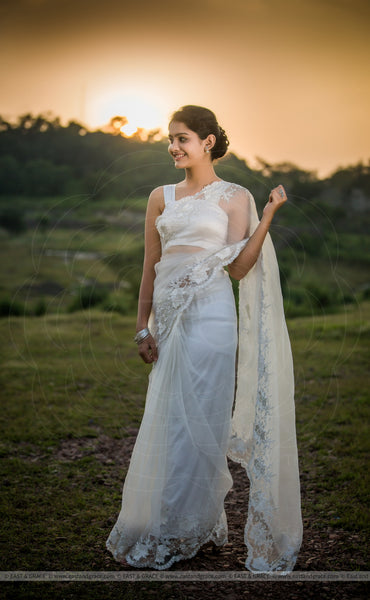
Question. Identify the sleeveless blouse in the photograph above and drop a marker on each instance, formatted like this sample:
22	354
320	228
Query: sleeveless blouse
198	220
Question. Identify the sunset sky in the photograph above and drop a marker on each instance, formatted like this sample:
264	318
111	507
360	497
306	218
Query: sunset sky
287	79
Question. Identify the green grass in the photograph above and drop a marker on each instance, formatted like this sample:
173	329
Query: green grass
102	237
60	372
70	379
332	411
78	376
33	270
74	377
81	206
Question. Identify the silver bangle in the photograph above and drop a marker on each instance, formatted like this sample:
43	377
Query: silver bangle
141	335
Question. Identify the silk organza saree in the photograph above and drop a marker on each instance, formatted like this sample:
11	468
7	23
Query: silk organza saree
178	477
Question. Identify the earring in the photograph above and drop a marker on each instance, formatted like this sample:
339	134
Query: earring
207	149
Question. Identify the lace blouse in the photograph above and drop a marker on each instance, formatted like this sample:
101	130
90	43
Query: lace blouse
215	216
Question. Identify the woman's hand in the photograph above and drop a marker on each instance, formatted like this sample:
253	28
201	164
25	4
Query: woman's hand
277	198
148	350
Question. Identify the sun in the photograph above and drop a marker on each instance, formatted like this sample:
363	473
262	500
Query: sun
141	111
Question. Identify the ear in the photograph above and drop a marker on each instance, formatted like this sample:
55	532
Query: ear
210	141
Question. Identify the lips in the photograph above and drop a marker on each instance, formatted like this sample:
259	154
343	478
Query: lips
178	156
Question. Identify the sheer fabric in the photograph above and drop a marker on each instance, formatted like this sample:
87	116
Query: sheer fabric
174	491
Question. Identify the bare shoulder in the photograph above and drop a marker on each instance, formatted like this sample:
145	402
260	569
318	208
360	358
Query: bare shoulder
156	199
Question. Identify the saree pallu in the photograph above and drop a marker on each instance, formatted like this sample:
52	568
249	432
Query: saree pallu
174	491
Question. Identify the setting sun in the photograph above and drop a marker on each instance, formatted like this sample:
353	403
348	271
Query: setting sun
129	129
140	113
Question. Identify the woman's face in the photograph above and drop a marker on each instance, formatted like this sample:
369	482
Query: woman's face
185	146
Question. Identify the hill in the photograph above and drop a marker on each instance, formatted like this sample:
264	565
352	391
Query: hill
72	205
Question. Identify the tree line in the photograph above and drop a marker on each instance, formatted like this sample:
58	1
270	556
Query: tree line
327	219
41	157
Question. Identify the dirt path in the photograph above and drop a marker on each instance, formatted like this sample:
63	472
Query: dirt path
323	549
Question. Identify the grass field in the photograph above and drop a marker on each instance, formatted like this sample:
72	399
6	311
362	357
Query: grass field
67	377
72	384
51	264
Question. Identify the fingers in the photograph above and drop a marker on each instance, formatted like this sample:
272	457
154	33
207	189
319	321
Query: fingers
146	355
148	350
279	193
277	197
154	351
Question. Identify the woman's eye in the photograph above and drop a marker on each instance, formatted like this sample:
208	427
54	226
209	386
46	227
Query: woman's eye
181	140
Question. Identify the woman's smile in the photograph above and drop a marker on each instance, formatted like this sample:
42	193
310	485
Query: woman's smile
178	155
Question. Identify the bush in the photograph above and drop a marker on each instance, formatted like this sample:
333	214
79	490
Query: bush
120	303
12	220
296	296
12	308
285	271
40	308
87	297
128	266
366	293
321	296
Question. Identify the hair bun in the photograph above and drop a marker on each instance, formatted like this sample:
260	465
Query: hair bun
221	145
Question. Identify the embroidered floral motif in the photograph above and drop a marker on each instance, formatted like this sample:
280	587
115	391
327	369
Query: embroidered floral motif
178	213
196	276
161	552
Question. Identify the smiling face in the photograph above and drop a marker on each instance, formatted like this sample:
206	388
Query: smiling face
186	147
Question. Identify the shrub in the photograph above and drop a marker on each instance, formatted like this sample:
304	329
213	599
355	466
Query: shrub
88	296
10	307
321	296
40	308
12	220
366	293
120	303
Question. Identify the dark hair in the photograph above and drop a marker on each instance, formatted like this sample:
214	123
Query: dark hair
203	122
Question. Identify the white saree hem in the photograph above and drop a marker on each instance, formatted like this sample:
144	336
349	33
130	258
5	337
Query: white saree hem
165	552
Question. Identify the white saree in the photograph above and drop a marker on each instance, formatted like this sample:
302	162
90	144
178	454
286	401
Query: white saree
178	477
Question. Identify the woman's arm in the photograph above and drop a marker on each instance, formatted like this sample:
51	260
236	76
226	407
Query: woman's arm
148	348
249	255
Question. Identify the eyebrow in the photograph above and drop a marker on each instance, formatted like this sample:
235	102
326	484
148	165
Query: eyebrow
177	134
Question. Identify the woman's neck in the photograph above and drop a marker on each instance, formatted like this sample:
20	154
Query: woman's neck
199	177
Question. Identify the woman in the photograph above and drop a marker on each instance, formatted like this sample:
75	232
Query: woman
173	496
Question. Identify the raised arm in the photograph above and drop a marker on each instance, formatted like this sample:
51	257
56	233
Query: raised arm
249	255
147	348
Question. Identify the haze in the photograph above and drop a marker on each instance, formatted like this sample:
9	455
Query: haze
288	80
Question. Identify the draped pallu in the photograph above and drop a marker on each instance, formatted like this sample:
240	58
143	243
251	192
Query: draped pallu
178	477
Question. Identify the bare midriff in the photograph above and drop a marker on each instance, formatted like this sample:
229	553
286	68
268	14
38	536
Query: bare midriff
179	248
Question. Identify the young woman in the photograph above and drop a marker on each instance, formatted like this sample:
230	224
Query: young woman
174	491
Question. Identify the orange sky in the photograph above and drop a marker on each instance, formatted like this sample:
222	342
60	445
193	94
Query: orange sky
287	79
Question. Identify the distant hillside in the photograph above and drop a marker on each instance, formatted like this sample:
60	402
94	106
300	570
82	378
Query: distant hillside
58	179
40	157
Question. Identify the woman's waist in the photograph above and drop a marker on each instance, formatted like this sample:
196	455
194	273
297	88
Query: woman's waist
177	263
188	275
200	247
